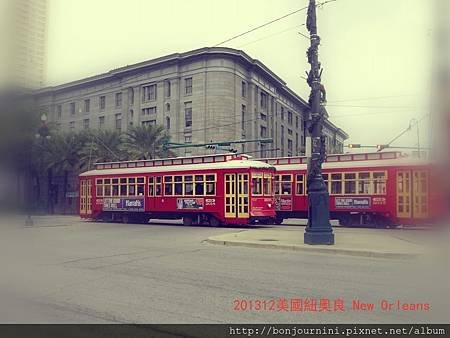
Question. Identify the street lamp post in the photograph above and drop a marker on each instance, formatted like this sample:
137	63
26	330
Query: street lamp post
318	230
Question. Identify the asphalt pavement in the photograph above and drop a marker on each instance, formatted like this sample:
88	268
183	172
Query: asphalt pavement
65	270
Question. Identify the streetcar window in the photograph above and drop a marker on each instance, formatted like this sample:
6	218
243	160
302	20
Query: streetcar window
199	189
140	190
99	181
158	189
350	183
123	181
132	190
300	186
267	186
131	180
107	190
326	181
210	188
198	178
151	186
286	186
257	186
188	185
115	181
379	183
336	184
168	186
178	186
364	184
99	190
107	181
210	184
115	190
277	185
140	180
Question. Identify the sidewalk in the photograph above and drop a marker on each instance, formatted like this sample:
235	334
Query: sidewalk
354	242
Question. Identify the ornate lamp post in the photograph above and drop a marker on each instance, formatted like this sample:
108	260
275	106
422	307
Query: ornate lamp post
318	230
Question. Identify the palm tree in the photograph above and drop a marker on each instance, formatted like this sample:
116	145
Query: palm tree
146	142
62	156
102	146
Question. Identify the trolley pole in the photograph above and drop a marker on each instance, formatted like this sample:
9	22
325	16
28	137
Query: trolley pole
318	230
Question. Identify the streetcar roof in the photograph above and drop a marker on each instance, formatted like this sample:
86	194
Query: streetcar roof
398	162
233	164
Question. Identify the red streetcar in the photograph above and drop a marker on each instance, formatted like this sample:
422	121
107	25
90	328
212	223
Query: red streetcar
214	189
376	189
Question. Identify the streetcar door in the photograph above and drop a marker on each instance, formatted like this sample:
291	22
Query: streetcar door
230	195
420	194
404	195
242	196
85	197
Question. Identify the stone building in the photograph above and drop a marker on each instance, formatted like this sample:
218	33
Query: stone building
204	95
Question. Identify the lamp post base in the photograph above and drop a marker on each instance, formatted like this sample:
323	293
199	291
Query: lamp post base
319	238
319	230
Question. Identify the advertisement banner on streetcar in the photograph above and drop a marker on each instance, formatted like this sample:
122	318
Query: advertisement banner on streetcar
353	203
190	203
283	203
124	204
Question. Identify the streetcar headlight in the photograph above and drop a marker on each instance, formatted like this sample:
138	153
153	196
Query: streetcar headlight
269	205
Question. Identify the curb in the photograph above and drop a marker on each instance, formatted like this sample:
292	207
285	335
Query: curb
325	250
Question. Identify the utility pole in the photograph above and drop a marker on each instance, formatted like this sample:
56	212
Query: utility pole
318	230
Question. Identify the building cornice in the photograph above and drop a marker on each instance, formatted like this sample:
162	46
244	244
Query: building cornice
177	58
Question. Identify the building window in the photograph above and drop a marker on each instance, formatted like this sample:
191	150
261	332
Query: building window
102	102
264	101
72	125
290	147
282	134
168	107
149	93
118	100
289	131
101	122
296	122
72	108
86	123
243	113
188	139
263	132
282	113
263	117
296	144
149	111
244	89
168	123
290	117
87	106
167	89
131	95
118	122
58	111
188	86
188	114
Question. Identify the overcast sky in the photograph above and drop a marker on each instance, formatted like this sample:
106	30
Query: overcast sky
375	53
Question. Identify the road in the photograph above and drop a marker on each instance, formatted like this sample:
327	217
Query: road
65	270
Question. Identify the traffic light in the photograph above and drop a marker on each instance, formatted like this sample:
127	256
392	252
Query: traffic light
232	150
354	145
380	147
211	146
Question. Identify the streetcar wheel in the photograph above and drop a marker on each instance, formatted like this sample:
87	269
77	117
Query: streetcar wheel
187	220
214	222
